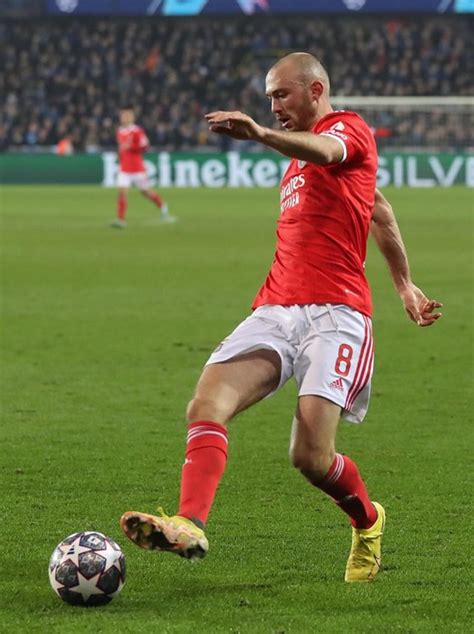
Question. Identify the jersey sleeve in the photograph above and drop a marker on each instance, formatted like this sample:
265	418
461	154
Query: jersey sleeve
140	141
352	133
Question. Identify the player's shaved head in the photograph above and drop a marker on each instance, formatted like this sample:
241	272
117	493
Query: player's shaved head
303	67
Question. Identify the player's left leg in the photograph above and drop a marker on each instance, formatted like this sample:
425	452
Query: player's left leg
312	451
155	198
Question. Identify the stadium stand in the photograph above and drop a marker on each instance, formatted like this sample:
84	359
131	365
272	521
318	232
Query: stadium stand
66	78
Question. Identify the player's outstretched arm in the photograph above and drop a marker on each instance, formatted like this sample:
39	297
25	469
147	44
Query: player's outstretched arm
304	146
389	240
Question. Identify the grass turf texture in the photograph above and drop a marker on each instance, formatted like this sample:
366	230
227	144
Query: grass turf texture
104	336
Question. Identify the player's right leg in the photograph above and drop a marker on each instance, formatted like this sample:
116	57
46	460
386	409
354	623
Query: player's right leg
123	183
223	390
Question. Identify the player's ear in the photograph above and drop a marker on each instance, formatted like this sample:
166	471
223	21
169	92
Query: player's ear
317	89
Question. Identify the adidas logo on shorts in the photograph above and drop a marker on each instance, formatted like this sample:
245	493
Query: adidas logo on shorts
337	385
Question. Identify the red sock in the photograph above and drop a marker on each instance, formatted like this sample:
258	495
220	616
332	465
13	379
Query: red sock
345	485
156	198
121	206
206	456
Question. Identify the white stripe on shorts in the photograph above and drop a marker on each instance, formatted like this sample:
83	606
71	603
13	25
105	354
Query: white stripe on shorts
364	366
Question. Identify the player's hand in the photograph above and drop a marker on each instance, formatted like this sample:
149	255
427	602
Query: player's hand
234	124
418	307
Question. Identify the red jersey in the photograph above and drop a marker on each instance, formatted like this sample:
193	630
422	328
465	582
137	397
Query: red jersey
132	142
324	223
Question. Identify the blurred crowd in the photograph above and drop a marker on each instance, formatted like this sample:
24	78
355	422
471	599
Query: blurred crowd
65	79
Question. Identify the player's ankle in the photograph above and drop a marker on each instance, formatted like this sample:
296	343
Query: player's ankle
198	522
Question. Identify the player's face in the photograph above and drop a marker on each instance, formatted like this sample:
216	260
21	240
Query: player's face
292	101
127	117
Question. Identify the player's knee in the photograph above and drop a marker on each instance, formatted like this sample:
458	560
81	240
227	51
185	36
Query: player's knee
207	408
312	462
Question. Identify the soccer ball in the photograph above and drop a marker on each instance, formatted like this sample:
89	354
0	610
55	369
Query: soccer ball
87	568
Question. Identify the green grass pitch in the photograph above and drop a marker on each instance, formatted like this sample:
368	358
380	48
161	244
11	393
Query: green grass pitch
104	335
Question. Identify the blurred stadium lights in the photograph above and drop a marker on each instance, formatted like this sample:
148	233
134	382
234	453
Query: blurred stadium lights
35	8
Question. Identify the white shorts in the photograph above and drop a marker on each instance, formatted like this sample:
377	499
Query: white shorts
328	348
127	179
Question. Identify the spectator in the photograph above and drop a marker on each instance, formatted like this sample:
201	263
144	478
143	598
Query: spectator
64	146
68	75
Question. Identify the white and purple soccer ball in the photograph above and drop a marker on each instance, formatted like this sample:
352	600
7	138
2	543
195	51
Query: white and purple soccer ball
87	569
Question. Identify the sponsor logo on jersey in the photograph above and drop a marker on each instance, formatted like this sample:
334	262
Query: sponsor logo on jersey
289	196
291	186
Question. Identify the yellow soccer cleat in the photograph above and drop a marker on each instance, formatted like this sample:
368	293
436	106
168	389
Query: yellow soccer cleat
175	534
364	560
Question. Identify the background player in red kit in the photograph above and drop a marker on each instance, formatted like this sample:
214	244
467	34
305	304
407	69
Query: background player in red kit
132	144
311	317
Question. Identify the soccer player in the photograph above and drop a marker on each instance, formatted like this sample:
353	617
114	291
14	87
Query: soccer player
132	143
311	317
